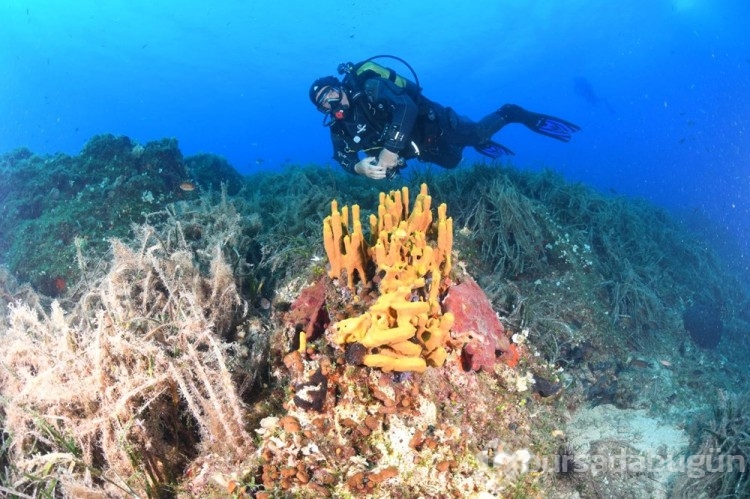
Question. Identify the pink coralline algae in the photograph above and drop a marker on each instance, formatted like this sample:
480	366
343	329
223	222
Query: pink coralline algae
308	313
477	322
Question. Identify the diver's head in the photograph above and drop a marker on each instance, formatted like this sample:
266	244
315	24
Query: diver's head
329	97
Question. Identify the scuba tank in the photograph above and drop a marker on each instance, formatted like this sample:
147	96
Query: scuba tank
355	75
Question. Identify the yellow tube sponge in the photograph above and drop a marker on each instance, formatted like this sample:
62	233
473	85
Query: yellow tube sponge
404	329
406	348
352	330
378	337
388	364
407	310
444	240
437	357
345	248
332	240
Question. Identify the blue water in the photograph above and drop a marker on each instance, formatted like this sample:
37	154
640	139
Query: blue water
668	118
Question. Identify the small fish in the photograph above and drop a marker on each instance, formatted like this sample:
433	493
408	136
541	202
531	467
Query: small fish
640	363
187	186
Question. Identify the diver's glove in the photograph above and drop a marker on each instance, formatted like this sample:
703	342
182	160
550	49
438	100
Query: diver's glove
392	173
388	159
369	167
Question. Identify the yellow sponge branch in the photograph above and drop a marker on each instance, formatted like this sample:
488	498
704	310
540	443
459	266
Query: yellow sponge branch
388	363
345	248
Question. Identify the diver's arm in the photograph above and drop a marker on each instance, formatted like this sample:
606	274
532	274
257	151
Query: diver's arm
343	154
349	160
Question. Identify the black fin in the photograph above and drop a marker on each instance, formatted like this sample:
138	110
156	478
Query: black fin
493	150
543	124
554	127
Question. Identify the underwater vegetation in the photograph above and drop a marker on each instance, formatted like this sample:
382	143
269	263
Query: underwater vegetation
173	329
724	442
59	205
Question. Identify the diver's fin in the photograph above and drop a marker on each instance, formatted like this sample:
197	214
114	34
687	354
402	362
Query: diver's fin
553	127
493	150
543	124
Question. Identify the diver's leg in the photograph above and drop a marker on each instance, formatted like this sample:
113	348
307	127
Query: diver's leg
465	132
544	124
492	123
442	154
451	156
457	132
434	134
462	130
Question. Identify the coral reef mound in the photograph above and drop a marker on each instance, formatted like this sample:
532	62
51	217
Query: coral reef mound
171	329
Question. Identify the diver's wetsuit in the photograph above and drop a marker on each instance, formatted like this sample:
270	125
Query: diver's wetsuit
385	115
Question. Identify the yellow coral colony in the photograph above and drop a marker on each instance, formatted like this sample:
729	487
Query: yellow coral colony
405	329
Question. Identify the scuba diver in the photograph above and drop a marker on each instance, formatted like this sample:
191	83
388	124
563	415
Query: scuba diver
376	111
